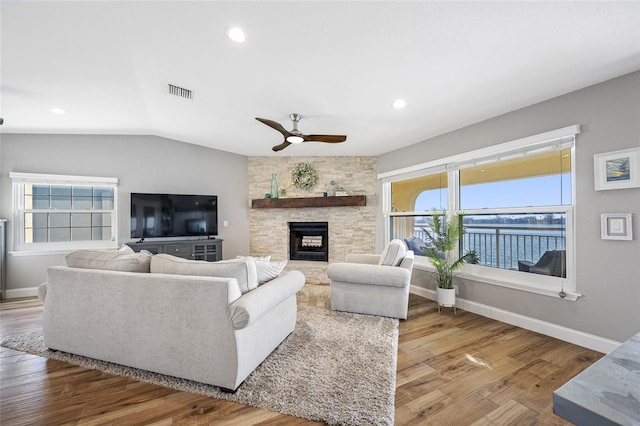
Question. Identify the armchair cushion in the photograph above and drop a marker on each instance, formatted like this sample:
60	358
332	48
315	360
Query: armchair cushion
379	275
371	259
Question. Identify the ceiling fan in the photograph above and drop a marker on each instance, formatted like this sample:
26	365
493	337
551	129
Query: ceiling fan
296	136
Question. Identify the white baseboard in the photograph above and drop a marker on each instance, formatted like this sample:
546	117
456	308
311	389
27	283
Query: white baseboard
570	335
21	292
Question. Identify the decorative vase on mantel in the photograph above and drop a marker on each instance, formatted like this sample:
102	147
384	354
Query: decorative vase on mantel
274	185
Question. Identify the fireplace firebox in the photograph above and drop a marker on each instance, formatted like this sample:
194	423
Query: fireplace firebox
309	241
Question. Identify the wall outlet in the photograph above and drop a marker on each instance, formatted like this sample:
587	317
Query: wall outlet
225	223
457	290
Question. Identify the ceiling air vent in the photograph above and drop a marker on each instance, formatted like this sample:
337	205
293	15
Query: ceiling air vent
180	91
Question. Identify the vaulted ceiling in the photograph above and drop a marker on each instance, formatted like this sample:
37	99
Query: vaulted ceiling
339	64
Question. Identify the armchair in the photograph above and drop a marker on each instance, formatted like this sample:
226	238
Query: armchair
551	263
363	286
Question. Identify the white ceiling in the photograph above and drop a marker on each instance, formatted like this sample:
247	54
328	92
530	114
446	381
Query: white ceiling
339	64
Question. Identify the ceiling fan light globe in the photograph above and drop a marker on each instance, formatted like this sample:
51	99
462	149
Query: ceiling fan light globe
236	34
295	139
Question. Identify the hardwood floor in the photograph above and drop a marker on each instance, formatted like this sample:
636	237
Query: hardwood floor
459	369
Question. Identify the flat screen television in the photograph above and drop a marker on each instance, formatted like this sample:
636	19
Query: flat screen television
173	215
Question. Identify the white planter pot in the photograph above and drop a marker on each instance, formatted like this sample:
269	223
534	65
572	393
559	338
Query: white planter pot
446	298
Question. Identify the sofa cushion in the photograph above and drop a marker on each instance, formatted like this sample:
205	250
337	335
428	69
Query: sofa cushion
393	253
242	269
124	260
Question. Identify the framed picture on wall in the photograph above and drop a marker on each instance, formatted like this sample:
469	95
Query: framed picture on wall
617	169
616	226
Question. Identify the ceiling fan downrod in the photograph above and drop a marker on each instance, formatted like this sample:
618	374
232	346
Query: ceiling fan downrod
295	134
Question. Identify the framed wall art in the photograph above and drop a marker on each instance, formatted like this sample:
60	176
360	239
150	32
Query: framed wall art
617	169
616	226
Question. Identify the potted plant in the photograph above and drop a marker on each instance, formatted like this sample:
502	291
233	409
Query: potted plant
444	236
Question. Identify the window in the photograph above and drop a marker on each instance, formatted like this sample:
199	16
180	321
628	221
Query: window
517	241
54	212
530	180
517	203
421	193
504	235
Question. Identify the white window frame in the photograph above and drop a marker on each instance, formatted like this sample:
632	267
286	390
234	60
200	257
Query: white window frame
550	141
18	181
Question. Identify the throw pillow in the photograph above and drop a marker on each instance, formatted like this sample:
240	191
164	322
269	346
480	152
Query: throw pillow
265	258
416	244
243	270
250	265
110	260
268	270
125	249
393	253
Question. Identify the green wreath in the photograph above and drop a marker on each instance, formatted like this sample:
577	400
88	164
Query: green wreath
304	176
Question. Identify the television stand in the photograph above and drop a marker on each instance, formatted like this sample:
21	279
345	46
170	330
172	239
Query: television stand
209	250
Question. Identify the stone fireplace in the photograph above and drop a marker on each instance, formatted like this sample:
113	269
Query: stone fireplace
349	229
309	241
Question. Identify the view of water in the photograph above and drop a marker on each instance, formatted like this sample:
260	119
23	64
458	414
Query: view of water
501	246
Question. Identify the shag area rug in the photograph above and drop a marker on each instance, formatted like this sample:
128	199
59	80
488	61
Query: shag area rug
336	367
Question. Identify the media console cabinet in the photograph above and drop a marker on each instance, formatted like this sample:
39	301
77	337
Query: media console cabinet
209	250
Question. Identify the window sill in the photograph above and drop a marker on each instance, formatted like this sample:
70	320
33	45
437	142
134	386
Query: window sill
60	249
39	252
491	278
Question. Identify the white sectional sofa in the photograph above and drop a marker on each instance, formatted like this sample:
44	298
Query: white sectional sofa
208	322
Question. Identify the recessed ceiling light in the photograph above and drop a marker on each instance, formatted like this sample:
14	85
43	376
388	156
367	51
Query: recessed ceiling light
399	103
59	111
236	34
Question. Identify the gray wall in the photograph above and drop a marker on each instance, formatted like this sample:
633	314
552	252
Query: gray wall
608	272
142	164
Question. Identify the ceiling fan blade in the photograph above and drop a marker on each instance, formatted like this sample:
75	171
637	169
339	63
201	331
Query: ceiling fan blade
282	146
274	125
325	138
295	118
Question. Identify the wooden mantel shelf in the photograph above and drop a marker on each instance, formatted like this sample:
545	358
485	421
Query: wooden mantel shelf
288	203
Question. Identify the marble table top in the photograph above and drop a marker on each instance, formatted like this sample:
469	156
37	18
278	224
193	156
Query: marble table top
606	393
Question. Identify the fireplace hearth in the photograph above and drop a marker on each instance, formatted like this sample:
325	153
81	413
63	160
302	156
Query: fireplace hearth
309	241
